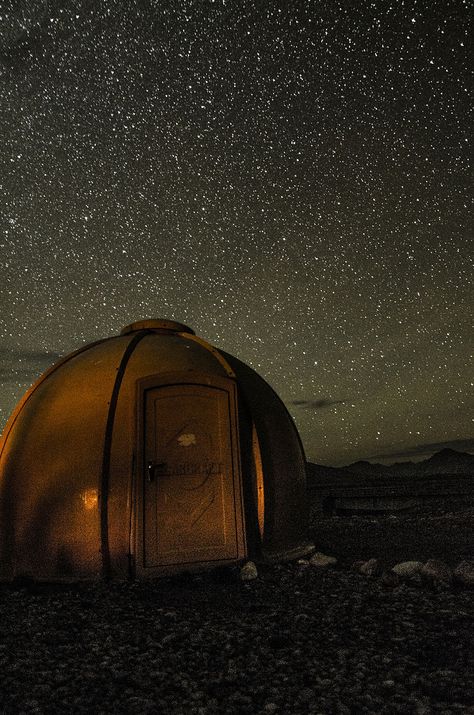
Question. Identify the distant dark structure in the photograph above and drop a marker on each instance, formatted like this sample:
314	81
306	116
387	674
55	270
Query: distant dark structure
147	453
444	480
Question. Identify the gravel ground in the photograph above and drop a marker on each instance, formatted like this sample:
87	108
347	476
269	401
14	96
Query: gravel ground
436	534
296	640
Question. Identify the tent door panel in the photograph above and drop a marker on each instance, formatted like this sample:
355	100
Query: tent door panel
191	485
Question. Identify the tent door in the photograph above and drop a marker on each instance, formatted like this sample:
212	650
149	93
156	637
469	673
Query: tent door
192	504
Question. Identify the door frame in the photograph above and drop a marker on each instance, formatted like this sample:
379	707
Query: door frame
189	377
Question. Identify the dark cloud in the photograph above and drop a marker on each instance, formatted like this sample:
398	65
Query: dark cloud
317	404
32	355
14	375
22	366
460	445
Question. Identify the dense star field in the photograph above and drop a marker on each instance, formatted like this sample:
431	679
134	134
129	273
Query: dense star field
289	179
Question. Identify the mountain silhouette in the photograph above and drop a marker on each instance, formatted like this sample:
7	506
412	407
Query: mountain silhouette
446	461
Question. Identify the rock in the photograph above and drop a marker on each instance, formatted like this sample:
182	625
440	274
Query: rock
436	572
408	569
303	562
390	579
422	708
464	573
371	568
248	572
322	561
356	565
306	695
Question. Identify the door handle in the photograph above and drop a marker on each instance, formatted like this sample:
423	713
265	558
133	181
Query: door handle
151	467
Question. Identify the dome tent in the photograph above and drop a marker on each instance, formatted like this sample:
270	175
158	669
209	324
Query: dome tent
146	453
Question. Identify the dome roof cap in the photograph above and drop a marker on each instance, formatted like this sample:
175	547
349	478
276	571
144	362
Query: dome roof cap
169	326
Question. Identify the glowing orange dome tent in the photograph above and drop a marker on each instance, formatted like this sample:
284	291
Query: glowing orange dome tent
146	453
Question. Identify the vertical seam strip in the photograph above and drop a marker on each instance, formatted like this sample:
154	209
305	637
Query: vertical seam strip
214	352
105	474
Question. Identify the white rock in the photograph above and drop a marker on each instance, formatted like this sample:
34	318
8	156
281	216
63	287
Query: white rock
248	572
436	572
464	573
407	569
322	561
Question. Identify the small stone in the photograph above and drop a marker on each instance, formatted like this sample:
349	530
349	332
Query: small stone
389	579
322	560
422	708
248	572
270	707
407	569
356	565
343	709
464	573
371	568
301	617
306	695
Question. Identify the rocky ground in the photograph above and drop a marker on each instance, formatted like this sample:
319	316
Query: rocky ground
438	533
298	639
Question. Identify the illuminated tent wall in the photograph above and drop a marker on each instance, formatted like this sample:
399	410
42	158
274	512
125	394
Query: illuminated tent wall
147	453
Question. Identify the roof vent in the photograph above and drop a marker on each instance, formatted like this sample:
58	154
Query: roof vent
169	326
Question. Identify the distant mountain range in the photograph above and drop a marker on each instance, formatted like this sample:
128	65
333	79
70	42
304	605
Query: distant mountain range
447	461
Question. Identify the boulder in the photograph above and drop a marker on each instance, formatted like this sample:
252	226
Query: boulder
322	561
464	573
371	568
248	572
408	569
356	565
436	572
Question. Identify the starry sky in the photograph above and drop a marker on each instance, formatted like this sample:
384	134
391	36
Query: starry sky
290	179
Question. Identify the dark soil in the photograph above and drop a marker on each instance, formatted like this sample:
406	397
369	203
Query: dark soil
296	640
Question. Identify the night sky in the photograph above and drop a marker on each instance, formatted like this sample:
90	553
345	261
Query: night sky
290	179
